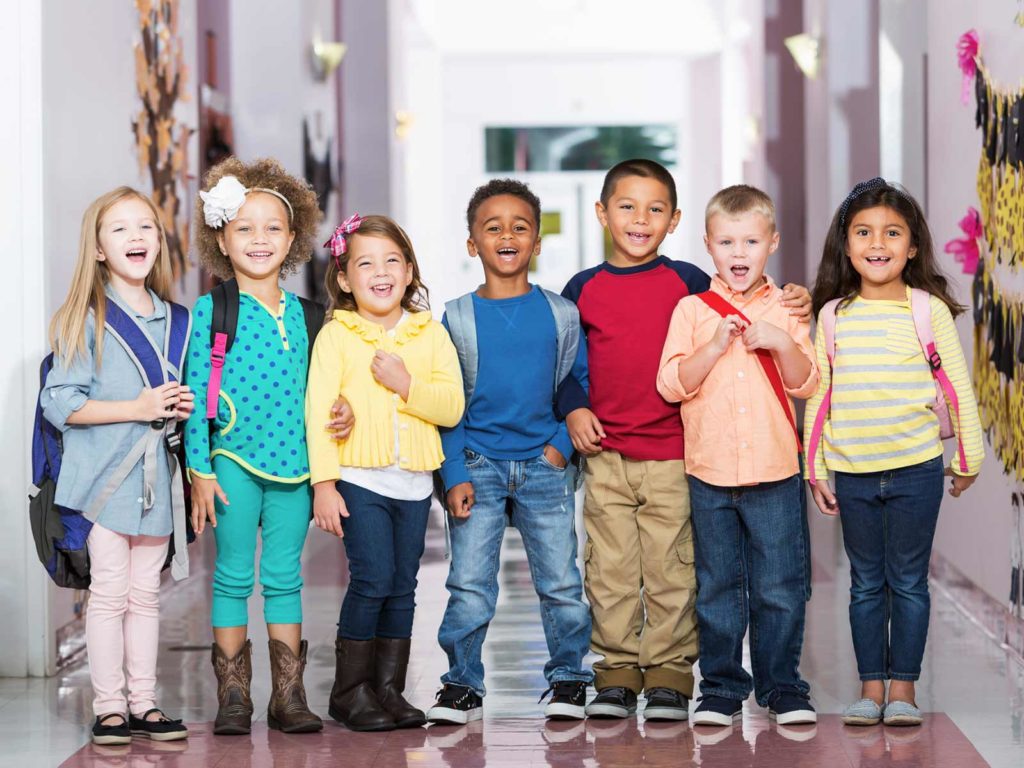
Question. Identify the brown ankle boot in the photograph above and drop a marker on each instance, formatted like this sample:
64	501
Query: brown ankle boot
234	705
353	701
390	665
287	710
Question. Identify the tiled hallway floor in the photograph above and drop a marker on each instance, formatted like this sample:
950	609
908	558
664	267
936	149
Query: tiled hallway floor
974	690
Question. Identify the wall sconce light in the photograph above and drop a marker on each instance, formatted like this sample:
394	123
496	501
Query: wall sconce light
806	52
326	57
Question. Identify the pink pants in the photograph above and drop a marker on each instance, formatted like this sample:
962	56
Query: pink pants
122	623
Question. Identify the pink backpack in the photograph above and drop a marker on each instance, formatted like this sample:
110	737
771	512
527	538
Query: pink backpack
920	308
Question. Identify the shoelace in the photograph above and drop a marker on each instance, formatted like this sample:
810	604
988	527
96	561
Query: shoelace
618	692
668	693
561	688
451	694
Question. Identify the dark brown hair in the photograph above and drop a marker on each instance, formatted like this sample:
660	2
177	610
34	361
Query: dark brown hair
269	174
647	169
837	279
496	187
416	297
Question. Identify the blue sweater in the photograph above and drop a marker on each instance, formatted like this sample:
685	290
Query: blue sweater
511	415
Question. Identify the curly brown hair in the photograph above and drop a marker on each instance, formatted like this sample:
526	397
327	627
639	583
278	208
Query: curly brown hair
268	173
416	297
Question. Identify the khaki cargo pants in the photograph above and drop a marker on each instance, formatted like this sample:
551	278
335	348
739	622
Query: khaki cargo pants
640	578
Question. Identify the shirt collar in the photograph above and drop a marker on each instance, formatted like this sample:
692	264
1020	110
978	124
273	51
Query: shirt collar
764	293
159	310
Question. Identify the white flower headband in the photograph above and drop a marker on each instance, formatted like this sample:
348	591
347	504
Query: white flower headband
221	203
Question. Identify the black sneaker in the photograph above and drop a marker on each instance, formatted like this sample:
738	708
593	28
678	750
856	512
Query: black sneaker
790	708
456	705
115	733
665	704
717	710
614	702
568	700
163	729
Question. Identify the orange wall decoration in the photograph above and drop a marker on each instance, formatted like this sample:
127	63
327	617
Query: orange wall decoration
160	137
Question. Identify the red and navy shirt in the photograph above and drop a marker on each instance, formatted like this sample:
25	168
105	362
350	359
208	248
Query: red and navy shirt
625	313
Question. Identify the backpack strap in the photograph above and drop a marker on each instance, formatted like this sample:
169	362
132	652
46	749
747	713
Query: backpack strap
827	320
462	329
223	322
178	328
920	307
313	312
137	344
567	325
719	304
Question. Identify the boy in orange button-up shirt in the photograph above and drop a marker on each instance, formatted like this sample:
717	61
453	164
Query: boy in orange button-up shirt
734	356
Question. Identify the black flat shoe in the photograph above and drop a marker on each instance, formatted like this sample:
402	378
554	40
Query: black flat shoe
163	729
111	734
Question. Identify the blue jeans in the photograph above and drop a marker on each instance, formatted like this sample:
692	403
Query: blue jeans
541	499
750	550
888	525
384	543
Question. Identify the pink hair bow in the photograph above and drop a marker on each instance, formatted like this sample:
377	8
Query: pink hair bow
965	250
966	54
337	242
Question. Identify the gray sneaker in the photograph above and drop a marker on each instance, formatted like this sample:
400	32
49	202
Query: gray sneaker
665	704
902	713
613	702
863	712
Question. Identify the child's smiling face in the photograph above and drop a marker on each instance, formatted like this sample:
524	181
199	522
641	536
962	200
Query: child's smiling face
879	245
504	235
129	240
639	216
740	246
376	274
257	240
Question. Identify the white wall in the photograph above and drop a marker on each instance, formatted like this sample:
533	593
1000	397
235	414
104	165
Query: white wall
974	531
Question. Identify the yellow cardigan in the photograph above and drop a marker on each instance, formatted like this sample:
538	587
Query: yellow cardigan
341	365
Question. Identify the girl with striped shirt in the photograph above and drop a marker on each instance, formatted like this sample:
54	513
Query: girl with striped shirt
881	436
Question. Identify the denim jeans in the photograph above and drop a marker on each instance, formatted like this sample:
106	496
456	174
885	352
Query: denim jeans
384	543
750	554
888	525
541	499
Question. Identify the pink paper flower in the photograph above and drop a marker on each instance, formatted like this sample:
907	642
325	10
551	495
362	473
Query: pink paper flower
966	54
965	250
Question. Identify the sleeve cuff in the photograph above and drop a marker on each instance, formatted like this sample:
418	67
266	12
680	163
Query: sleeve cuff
809	386
570	397
563	444
454	472
196	473
63	403
669	385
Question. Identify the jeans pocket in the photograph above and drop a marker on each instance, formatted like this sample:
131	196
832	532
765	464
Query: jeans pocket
473	459
549	465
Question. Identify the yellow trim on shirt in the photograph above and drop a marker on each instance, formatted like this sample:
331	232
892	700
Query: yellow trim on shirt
234	414
278	315
259	473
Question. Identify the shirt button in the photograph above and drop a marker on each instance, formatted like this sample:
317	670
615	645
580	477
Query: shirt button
139	500
744	444
395	397
739	375
742	409
404	426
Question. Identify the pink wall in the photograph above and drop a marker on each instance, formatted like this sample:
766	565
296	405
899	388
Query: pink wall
974	531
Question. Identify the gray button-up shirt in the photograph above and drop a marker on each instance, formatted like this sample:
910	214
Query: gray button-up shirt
92	452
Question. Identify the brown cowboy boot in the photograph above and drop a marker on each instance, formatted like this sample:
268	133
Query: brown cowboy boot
234	705
353	701
392	662
287	710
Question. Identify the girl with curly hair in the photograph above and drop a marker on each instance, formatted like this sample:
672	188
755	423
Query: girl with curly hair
246	452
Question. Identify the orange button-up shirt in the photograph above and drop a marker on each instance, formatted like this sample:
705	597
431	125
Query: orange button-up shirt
734	428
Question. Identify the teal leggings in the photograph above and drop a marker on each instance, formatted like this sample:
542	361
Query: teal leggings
283	512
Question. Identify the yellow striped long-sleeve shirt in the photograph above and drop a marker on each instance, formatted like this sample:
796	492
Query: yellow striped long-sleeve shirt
882	390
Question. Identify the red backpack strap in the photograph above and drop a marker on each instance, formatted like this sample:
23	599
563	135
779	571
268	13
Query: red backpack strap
920	307
827	320
719	304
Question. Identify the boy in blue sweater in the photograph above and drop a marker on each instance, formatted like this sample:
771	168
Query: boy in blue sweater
508	459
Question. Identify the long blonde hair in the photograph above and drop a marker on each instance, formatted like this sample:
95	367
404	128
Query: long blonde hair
67	329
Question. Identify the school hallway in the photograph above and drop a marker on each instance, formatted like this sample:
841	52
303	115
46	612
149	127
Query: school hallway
972	688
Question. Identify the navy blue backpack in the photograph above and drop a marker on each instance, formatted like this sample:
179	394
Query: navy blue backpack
60	533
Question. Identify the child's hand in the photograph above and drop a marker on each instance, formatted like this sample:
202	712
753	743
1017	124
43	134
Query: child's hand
960	483
186	403
763	335
824	498
798	299
389	370
328	508
585	431
554	456
158	403
460	500
728	329
342	419
203	507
